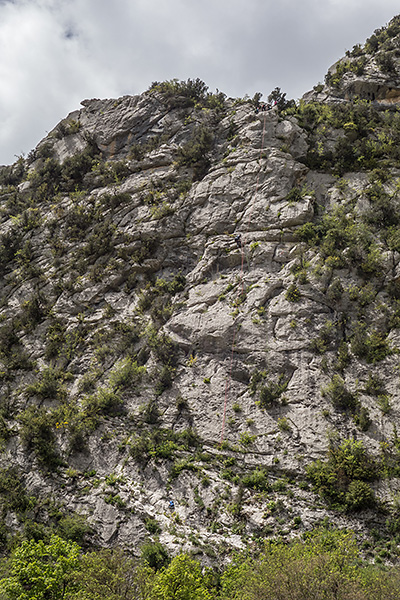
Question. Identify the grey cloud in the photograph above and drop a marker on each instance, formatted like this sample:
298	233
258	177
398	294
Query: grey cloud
57	52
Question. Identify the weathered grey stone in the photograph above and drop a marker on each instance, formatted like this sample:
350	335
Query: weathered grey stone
231	320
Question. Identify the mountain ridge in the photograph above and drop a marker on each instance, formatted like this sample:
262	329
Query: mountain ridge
149	354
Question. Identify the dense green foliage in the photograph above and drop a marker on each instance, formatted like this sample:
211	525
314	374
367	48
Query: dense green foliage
40	571
365	137
326	564
343	478
184	94
323	566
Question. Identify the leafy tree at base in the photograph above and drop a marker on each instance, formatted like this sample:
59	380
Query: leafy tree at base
181	580
41	571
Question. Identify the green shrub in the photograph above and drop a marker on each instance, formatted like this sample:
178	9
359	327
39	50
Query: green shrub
346	463
188	572
386	62
48	385
327	335
65	128
40	570
152	526
272	391
269	391
343	357
364	295
140	447
195	153
384	403
181	403
106	401
164	449
73	527
164	379
33	311
155	555
184	464
125	374
293	293
13	175
24	255
127	334
295	195
115	199
157	297
246	439
374	385
12	490
362	418
359	495
74	169
164	348
6	432
38	434
373	346
322	565
45	180
257	480
181	94
30	219
151	414
384	209
345	66
339	395
79	428
278	97
55	339
15	202
115	500
364	150
8	339
77	221
113	479
12	352
10	244
112	574
162	443
100	240
112	172
283	424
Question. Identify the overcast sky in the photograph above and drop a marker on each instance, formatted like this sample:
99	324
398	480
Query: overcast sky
55	53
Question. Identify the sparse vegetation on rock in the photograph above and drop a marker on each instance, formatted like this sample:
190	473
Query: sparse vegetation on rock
200	305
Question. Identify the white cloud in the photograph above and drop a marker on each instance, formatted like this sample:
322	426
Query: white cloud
57	52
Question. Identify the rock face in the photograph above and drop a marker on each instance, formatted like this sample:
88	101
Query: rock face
369	72
148	353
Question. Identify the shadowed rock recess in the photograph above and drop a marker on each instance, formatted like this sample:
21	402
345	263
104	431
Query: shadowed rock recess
146	355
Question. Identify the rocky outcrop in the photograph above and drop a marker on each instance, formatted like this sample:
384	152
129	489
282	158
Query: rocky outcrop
368	73
149	353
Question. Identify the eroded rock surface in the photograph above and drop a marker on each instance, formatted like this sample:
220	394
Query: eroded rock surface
147	353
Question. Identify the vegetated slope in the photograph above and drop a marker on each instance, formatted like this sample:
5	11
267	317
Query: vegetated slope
146	356
369	72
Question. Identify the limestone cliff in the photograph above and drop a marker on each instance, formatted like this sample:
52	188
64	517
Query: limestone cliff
369	72
148	353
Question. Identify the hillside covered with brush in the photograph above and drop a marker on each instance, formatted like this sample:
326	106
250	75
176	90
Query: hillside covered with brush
200	302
